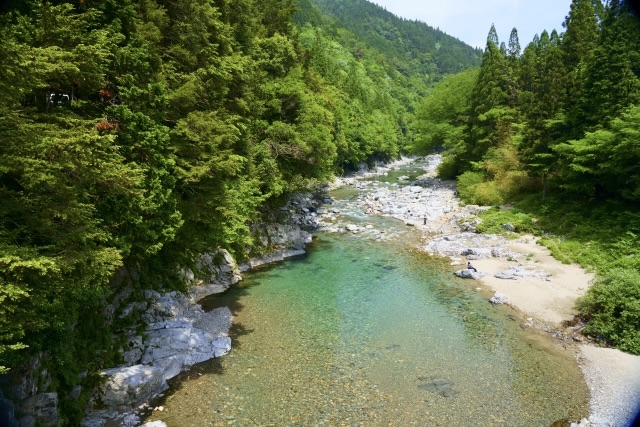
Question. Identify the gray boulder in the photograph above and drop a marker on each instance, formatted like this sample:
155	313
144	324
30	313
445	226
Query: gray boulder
509	227
499	298
131	385
467	273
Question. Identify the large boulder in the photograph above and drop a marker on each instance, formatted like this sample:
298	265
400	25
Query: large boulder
130	386
179	334
467	273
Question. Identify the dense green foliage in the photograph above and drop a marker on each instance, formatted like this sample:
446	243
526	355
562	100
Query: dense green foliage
135	135
556	130
412	47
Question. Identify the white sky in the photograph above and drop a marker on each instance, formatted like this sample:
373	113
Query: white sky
470	20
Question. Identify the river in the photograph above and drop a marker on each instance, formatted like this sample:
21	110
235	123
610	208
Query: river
365	330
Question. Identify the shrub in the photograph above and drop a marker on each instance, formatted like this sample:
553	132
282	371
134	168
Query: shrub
474	190
467	183
612	309
487	194
493	219
514	182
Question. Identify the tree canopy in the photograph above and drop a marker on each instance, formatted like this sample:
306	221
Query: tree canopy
135	135
560	119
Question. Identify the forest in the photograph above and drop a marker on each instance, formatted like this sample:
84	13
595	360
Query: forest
554	131
137	134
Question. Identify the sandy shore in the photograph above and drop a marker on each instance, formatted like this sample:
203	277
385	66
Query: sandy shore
551	299
543	289
613	377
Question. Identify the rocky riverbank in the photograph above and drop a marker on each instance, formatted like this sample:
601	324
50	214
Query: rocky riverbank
514	268
178	332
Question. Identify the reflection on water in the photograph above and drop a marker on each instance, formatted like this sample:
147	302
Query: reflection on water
370	333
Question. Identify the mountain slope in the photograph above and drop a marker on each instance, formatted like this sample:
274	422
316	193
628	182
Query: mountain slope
413	45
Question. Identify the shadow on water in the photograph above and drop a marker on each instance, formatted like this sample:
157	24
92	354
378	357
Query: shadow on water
230	298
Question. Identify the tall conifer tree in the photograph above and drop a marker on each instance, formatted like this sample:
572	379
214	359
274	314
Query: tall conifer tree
578	44
491	112
613	76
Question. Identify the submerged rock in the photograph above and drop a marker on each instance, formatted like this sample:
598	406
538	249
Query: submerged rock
441	386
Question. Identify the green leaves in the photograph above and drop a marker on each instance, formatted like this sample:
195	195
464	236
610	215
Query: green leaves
444	114
606	159
612	309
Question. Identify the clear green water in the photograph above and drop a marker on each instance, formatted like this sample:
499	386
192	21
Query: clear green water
363	333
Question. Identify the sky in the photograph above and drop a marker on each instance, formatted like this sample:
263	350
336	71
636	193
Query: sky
470	20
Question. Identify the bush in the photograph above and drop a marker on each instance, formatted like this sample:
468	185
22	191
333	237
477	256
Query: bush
474	190
493	219
612	309
467	183
515	182
448	168
487	194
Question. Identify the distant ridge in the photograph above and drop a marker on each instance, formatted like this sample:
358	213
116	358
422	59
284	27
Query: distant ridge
413	45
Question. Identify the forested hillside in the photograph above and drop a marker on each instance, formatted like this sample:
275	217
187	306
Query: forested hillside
137	134
556	129
414	47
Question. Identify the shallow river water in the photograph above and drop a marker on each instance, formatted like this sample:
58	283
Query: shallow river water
366	332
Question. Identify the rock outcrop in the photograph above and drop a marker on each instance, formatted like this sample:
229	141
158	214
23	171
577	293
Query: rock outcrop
32	401
179	333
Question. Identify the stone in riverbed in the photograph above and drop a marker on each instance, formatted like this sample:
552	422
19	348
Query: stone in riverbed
441	386
499	298
131	385
352	228
467	273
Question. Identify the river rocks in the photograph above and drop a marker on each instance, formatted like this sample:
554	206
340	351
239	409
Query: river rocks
131	385
271	258
178	335
499	298
516	272
283	236
352	228
279	242
217	267
441	386
467	273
